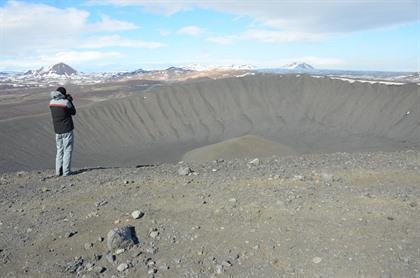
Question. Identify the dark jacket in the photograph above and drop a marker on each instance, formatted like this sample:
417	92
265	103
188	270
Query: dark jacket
62	111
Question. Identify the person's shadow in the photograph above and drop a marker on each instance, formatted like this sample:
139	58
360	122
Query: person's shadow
83	170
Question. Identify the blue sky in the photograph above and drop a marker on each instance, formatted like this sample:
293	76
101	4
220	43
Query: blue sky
114	35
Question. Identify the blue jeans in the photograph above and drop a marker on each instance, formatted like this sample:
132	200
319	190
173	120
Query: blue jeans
64	144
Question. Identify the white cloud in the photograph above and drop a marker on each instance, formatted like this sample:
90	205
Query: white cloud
318	16
272	36
76	57
190	30
118	41
37	28
69	57
157	6
164	32
108	24
266	36
223	40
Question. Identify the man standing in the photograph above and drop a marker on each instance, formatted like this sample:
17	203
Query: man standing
62	110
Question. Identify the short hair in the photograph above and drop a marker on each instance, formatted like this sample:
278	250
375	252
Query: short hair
62	90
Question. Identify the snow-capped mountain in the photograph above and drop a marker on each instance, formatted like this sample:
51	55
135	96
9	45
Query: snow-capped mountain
299	66
59	69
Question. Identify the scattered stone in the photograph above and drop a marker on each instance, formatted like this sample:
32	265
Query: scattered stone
100	239
390	218
164	267
20	173
137	214
368	195
101	203
232	200
152	271
75	266
298	178
70	234
89	266
122	267
110	257
154	234
97	257
126	182
88	245
219	269
184	171
121	238
136	253
151	250
92	214
119	251
255	162
150	263
226	264
45	189
328	178
316	260
99	269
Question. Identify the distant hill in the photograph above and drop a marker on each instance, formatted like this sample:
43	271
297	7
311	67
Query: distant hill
299	66
199	67
60	69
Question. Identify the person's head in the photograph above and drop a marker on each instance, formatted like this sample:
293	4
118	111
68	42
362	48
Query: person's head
62	90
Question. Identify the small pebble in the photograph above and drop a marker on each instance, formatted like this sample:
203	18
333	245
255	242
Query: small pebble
88	245
154	234
122	267
254	162
70	234
99	269
219	269
151	250
226	263
152	271
137	214
316	260
110	258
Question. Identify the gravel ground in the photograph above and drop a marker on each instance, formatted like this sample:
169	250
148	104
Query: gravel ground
335	215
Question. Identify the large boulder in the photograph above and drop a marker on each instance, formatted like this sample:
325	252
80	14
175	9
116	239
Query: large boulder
121	238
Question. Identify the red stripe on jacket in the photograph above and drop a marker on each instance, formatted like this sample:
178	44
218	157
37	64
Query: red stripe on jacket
57	105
